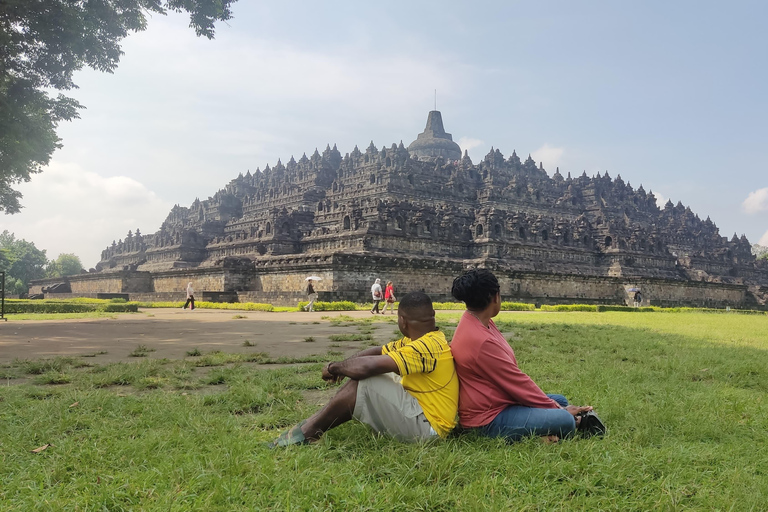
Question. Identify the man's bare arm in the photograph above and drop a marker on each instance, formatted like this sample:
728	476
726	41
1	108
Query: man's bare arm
359	367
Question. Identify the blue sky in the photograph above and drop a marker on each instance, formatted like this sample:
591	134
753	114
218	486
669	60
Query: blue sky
668	95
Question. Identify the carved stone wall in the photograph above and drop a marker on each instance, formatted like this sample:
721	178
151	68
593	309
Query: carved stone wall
435	212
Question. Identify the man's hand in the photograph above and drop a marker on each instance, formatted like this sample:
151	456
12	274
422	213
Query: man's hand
329	377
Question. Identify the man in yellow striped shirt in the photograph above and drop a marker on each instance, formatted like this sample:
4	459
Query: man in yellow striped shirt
407	388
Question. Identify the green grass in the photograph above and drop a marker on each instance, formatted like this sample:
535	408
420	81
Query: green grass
141	351
683	395
58	316
350	337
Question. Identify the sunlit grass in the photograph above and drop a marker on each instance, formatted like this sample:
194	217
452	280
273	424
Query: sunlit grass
683	396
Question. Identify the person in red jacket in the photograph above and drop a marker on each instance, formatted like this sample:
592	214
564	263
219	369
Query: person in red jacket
495	397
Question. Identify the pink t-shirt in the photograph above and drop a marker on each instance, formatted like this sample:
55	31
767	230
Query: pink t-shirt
489	379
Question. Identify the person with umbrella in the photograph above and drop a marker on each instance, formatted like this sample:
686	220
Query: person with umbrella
311	294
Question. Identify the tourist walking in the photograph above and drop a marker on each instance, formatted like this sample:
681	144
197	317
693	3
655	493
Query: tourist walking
311	296
190	297
389	299
377	295
496	399
638	299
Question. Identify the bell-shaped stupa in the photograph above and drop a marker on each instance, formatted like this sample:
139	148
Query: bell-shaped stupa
434	141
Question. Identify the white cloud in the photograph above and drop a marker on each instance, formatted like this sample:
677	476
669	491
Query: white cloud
468	143
764	240
661	199
756	201
549	156
70	210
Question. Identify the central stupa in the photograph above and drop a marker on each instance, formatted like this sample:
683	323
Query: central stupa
434	141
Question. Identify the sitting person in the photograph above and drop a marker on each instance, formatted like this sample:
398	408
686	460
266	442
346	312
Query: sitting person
419	404
495	397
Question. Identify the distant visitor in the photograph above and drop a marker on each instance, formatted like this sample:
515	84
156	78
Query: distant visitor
190	297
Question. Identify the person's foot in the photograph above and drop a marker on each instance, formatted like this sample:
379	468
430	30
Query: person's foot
292	436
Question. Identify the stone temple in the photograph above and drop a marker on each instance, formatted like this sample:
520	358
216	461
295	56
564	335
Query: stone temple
420	215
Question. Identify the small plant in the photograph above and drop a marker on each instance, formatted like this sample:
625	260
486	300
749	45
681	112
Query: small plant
53	378
194	352
141	351
350	337
309	339
94	354
247	343
237	317
334	345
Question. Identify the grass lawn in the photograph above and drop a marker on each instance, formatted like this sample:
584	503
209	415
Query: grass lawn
683	396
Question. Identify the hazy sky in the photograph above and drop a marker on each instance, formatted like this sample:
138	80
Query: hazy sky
670	95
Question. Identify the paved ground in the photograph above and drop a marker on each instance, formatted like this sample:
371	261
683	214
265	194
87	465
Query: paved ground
172	332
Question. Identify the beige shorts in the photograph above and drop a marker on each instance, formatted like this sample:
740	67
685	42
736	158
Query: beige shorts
384	405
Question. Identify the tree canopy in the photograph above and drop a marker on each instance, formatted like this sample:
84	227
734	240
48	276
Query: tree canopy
24	262
42	44
65	265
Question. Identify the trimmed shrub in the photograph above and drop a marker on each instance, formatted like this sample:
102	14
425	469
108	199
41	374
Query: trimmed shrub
517	306
569	307
64	307
626	309
242	306
343	305
449	305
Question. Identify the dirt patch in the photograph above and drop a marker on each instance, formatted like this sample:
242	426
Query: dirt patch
171	333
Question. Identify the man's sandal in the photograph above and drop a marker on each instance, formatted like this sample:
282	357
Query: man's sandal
292	436
590	425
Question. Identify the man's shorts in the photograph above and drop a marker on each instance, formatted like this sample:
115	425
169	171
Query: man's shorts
384	405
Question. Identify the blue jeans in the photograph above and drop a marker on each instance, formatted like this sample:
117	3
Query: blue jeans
517	421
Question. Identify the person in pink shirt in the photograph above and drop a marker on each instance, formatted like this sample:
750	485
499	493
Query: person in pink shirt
496	398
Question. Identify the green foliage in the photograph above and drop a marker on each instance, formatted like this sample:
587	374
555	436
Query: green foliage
141	351
449	305
66	307
64	265
626	309
330	306
44	43
569	307
517	306
683	402
350	337
241	306
25	261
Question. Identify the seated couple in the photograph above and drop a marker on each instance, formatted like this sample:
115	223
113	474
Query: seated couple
412	389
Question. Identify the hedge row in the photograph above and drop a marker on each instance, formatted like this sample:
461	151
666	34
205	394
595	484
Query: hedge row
517	306
569	307
84	305
64	307
343	305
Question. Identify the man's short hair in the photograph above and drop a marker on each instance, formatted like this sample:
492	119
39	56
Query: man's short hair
415	300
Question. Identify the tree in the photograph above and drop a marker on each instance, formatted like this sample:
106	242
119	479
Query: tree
64	265
42	43
27	262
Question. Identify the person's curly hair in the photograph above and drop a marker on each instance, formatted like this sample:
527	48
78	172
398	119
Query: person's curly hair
476	288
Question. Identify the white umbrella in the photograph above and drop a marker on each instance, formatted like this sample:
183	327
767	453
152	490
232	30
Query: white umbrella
313	278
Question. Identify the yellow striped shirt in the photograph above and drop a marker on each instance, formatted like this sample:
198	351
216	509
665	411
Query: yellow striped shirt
426	367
